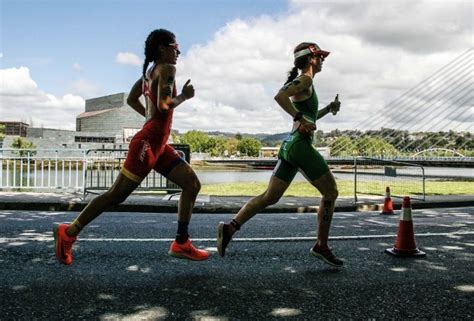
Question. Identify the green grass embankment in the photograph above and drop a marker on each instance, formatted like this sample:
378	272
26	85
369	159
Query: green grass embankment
346	188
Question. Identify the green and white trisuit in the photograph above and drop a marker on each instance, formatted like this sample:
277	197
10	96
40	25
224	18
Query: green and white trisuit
297	152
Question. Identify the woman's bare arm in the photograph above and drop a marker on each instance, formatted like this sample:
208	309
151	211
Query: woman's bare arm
165	89
289	90
293	88
133	98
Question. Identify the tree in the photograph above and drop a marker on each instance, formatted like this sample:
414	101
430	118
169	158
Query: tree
21	144
197	140
2	132
249	146
374	146
216	145
175	137
231	146
343	146
319	140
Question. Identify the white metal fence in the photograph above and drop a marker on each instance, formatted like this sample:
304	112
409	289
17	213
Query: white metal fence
42	169
102	167
89	171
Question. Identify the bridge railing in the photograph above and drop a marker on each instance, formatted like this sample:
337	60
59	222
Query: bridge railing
409	158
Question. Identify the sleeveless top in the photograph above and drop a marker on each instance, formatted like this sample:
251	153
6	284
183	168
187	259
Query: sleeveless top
157	125
309	108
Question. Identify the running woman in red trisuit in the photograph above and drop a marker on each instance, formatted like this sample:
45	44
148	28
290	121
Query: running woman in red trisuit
297	98
148	150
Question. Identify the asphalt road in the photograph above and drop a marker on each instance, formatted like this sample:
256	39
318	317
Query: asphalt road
122	271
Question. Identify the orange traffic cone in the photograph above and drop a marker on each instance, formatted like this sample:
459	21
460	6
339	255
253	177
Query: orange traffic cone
405	243
387	203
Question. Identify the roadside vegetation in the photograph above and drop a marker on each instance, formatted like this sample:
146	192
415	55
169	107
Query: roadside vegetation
384	142
346	188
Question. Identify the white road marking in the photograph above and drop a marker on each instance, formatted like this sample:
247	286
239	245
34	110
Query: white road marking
381	223
249	239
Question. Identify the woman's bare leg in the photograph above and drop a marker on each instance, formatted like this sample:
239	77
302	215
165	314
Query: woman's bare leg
272	195
120	190
326	184
274	192
185	177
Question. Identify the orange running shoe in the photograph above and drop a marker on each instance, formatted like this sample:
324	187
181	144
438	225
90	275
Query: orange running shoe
187	251
63	244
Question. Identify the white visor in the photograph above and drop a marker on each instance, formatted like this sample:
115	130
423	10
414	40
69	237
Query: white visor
301	53
312	49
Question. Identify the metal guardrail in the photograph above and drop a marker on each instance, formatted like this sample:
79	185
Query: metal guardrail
373	175
41	169
89	171
104	165
92	171
463	162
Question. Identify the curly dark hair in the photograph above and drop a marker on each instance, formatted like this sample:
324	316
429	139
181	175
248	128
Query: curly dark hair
153	41
299	62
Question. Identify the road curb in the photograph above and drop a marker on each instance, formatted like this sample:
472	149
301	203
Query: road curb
219	208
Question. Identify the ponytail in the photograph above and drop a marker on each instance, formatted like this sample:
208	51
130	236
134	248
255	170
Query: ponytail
145	66
292	74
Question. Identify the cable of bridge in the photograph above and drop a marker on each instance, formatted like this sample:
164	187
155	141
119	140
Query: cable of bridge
459	103
456	65
447	134
433	89
434	82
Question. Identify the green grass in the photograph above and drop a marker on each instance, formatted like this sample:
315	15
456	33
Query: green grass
346	188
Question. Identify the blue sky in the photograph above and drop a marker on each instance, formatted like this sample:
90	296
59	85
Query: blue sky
50	36
56	54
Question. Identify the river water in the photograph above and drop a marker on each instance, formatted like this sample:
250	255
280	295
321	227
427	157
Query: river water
209	176
232	175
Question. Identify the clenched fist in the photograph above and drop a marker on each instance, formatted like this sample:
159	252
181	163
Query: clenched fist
335	105
188	90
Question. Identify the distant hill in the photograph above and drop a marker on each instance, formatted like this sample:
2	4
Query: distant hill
274	139
403	140
266	139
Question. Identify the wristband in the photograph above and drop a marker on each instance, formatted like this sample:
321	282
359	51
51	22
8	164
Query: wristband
178	100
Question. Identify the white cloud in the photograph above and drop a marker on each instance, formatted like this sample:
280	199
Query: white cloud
415	26
128	58
86	89
379	50
1	54
76	67
17	82
22	100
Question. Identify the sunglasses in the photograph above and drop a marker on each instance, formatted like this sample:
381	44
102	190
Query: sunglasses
321	57
175	46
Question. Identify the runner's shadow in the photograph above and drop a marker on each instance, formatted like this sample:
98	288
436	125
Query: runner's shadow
323	272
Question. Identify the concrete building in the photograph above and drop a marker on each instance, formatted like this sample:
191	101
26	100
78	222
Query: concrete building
107	122
15	128
110	115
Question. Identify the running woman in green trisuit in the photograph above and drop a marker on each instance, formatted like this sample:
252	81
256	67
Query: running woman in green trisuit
298	98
